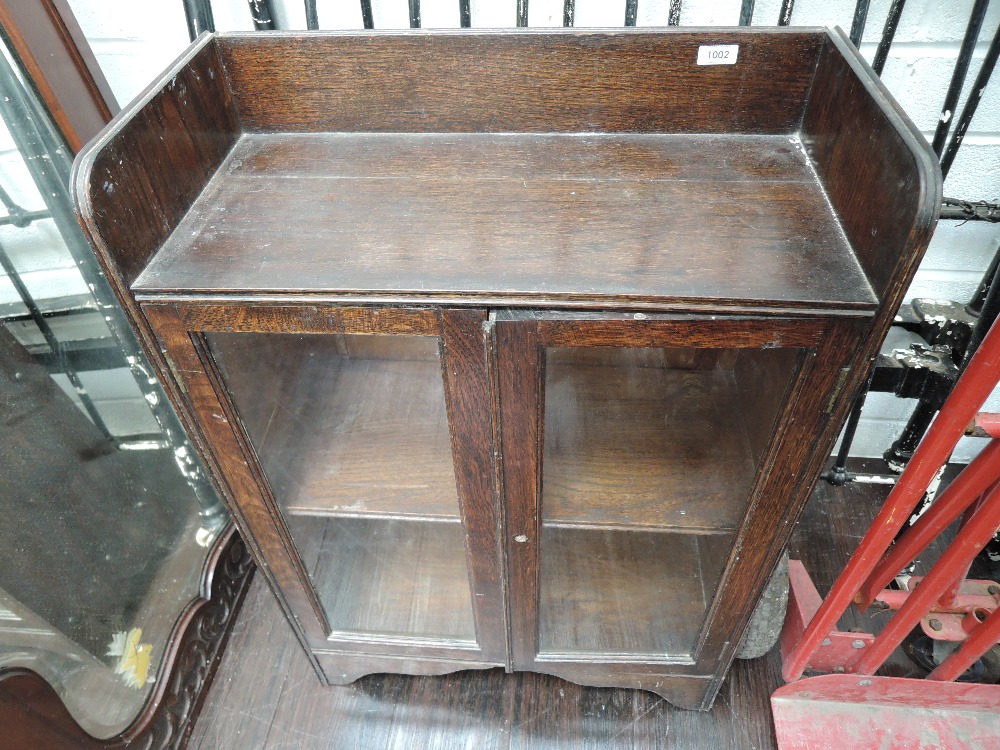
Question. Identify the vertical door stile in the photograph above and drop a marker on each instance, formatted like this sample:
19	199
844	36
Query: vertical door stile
519	366
468	397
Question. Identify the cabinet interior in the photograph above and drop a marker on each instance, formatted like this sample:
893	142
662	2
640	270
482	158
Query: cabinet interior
648	456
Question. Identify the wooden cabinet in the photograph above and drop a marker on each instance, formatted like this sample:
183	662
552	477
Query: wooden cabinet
514	349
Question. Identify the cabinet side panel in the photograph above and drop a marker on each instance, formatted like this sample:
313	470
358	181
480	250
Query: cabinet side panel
878	172
521	81
760	378
222	451
806	431
134	182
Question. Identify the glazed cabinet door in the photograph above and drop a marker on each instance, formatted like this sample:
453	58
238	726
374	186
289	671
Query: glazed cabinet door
358	446
639	452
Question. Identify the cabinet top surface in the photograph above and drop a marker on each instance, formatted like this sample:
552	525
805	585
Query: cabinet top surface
545	218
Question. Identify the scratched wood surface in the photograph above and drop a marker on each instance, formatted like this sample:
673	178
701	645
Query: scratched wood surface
722	218
537	80
266	694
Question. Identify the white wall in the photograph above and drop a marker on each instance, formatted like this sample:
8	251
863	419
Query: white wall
134	41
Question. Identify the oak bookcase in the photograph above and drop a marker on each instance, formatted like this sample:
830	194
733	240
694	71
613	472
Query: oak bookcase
516	349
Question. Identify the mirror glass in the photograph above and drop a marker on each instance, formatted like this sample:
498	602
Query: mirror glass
107	515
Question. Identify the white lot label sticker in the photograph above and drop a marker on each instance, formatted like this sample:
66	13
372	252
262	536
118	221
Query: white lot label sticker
718	54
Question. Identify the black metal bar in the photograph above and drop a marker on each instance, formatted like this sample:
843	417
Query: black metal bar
785	14
569	11
746	13
53	343
631	11
414	14
199	17
464	13
522	13
312	19
958	210
262	14
367	17
975	305
958	76
901	450
674	14
969	110
987	315
837	475
888	34
858	24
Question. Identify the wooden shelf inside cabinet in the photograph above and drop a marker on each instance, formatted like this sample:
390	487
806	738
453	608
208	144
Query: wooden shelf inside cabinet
395	578
514	349
644	447
345	433
638	594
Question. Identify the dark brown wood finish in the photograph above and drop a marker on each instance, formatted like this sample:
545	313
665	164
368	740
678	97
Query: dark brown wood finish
482	216
489	709
311	319
291	391
521	81
372	576
478	172
790	468
242	489
517	364
847	98
467	388
300	560
182	127
602	593
760	395
599	437
521	340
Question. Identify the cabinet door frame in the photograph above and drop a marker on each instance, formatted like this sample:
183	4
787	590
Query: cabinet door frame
826	345
181	329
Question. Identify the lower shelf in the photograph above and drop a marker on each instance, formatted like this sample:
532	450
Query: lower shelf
391	577
626	593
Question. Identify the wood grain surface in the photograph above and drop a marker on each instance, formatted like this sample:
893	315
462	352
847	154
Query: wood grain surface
389	577
345	425
857	173
551	80
472	419
535	225
634	595
635	180
629	446
494	710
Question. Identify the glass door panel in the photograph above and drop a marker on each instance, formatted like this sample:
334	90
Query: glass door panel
351	432
649	457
